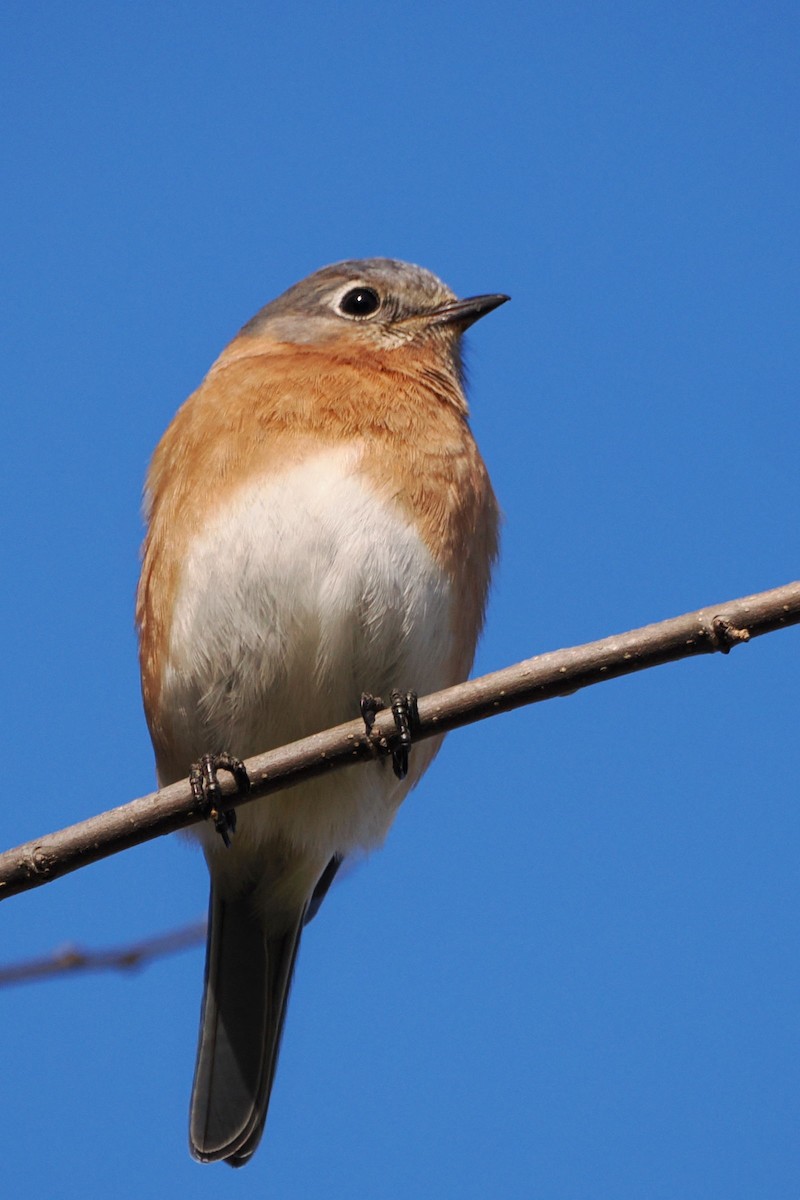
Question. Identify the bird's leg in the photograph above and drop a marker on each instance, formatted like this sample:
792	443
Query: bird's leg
370	707
406	719
207	792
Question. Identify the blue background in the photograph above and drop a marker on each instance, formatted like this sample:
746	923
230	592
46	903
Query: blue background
573	970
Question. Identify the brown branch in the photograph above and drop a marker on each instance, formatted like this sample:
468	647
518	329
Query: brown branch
121	958
559	673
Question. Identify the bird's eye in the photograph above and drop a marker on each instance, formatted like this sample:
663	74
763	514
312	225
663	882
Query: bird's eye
359	302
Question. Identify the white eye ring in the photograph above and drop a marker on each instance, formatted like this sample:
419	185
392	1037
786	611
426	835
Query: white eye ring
358	302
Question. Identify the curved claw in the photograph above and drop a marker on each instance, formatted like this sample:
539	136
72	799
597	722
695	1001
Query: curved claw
207	792
406	719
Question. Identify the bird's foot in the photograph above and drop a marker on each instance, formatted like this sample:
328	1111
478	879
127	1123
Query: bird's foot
406	720
208	794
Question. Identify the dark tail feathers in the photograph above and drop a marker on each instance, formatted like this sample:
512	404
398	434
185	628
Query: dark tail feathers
248	976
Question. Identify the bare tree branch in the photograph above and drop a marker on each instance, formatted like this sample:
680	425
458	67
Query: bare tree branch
120	958
558	673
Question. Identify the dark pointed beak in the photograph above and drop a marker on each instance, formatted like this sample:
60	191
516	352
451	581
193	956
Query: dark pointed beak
466	312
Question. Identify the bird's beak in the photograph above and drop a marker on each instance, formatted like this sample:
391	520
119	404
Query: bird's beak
465	312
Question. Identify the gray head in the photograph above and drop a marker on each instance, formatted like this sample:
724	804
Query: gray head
378	300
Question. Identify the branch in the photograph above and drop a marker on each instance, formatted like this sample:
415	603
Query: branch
121	958
559	673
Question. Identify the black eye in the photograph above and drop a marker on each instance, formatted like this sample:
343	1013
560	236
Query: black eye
360	302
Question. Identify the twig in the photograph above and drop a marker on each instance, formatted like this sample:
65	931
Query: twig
121	958
559	673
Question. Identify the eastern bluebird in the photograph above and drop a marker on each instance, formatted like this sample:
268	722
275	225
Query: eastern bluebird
320	525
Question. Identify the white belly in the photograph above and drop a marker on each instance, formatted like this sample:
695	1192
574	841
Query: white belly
305	591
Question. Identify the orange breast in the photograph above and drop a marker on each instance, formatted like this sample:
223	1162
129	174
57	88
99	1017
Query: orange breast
264	407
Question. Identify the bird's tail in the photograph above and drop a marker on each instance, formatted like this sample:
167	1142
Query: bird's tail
248	976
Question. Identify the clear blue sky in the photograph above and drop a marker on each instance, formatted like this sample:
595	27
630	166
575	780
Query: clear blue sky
573	970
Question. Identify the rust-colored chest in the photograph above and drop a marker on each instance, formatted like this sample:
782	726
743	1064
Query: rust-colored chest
262	410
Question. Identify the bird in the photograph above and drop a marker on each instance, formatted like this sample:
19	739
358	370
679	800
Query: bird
320	530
